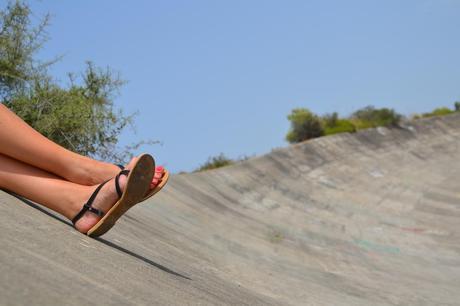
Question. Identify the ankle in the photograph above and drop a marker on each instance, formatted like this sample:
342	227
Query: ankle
77	199
88	219
104	200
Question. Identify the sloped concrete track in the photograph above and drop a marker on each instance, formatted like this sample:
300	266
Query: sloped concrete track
371	218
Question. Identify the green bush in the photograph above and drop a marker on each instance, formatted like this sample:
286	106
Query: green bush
441	111
215	162
332	124
304	125
341	126
457	106
371	117
330	120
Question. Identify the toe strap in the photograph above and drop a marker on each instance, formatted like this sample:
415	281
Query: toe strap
117	183
88	205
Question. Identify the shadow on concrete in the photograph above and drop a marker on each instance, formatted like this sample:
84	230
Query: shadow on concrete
106	242
146	260
38	207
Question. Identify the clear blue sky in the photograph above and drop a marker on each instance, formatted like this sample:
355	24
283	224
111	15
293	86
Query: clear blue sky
221	76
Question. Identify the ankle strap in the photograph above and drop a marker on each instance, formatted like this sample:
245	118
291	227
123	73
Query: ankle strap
87	206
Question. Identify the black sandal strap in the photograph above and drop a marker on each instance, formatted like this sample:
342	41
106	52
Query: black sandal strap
87	206
120	166
117	184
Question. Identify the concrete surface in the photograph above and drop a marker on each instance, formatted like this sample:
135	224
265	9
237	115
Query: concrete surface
371	218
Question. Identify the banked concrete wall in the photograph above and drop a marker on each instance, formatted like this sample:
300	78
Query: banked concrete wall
371	218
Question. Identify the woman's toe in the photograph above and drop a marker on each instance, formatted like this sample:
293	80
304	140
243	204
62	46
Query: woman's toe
158	175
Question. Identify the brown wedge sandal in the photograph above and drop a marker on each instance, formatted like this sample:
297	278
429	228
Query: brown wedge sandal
137	185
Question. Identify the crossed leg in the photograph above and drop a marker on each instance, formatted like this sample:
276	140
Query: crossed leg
62	196
20	141
35	167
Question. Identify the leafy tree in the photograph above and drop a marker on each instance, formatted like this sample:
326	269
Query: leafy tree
373	117
19	42
457	106
304	125
80	116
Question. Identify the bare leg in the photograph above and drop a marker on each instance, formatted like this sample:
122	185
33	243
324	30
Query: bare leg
62	196
20	141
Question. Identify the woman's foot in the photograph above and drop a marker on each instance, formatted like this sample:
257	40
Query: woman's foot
104	200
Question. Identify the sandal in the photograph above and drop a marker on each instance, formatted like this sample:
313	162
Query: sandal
164	180
137	184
